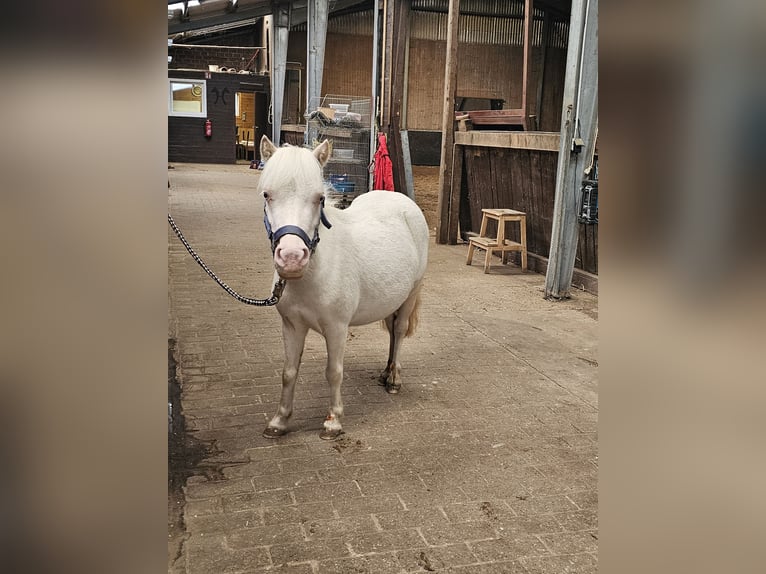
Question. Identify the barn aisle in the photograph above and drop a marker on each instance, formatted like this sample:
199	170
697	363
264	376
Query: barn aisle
485	462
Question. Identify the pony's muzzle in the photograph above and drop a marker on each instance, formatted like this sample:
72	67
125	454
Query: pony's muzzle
291	257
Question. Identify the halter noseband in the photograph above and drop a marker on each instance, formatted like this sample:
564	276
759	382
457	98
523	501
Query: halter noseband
275	236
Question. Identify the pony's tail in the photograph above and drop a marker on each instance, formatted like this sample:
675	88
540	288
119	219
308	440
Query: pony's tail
414	318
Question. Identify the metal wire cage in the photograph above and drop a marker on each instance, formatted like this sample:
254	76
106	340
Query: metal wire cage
587	211
345	120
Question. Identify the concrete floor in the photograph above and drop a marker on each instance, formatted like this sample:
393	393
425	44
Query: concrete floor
485	462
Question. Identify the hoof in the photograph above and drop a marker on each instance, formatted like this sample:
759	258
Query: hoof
327	434
273	432
392	389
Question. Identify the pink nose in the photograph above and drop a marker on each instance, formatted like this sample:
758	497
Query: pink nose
290	260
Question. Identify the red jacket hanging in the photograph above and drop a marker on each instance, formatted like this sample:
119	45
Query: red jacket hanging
383	175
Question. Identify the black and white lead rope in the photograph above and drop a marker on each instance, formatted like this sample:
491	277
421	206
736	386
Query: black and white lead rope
276	293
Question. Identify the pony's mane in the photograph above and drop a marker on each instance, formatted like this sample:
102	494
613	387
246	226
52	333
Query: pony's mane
292	167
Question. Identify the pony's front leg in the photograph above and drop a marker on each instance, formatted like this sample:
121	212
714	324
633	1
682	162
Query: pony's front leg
335	339
293	337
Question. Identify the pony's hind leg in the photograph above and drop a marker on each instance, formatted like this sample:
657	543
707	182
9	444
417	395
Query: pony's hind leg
400	325
335	339
293	337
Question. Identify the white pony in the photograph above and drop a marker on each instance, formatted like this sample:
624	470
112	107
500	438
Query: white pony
368	267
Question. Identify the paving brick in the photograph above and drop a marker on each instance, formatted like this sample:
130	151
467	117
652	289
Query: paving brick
315	462
437	558
352	472
300	513
367	505
300	568
210	489
386	541
385	563
411	518
265	535
252	500
571	542
210	554
277	452
531	505
223	523
317	529
478	511
283	480
535	524
585	500
580	520
303	551
504	549
330	491
203	507
438	535
495	567
566	564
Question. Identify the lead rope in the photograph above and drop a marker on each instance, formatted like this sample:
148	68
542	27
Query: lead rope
276	293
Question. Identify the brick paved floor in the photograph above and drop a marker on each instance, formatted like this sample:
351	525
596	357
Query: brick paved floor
486	462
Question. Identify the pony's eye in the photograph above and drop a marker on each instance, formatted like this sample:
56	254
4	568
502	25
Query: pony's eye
266	195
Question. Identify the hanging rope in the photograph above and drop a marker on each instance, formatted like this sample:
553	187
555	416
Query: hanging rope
276	293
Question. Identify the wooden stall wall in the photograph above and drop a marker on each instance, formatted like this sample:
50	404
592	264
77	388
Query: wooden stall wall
488	69
348	65
553	89
482	69
524	180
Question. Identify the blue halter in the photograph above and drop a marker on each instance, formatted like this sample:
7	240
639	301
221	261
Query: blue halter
275	236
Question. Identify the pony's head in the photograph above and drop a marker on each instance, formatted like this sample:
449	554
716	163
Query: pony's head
294	193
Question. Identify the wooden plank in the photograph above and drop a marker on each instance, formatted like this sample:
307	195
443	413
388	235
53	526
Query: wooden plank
455	190
512	117
535	221
544	141
480	94
528	10
477	169
408	180
386	67
401	28
448	122
517	196
547	196
494	188
541	70
525	167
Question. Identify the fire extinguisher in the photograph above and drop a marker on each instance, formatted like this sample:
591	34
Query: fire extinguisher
208	128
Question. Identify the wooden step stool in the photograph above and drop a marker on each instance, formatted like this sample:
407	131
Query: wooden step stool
500	243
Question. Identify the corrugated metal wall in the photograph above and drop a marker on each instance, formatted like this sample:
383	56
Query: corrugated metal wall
475	29
504	8
495	22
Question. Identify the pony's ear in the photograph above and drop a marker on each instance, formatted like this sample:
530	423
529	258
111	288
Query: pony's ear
323	152
267	148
